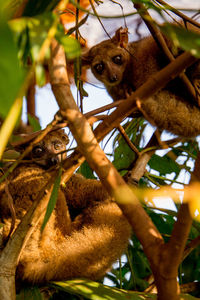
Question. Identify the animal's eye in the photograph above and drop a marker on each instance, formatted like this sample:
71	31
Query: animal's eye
57	145
37	151
99	68
117	60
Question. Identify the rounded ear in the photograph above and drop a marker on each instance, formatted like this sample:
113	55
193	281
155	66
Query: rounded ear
86	58
63	136
121	37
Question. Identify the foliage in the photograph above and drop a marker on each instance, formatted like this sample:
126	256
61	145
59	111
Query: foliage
20	55
189	41
52	200
9	68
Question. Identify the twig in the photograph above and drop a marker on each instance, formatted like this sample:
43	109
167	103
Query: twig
178	13
128	141
191	246
101	16
96	14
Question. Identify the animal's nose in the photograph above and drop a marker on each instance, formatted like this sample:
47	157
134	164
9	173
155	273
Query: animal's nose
53	161
113	78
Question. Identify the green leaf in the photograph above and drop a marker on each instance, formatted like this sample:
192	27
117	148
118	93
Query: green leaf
187	40
86	171
52	200
97	291
71	46
35	31
30	293
9	124
11	75
123	154
40	75
164	165
34	123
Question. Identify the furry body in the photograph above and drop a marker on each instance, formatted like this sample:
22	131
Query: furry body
85	234
171	108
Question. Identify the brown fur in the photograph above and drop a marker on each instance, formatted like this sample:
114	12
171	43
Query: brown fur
48	151
85	234
171	108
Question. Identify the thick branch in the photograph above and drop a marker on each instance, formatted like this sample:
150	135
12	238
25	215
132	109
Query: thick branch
88	146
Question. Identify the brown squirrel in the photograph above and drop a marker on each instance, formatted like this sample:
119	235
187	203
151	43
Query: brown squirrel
123	67
85	234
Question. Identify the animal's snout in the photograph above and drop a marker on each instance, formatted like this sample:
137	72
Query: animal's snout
113	78
53	161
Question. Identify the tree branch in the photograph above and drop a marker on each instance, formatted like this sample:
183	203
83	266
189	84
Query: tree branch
178	13
148	235
88	146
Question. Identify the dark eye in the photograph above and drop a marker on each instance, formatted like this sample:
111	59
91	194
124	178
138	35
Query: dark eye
99	68
117	60
57	145
37	151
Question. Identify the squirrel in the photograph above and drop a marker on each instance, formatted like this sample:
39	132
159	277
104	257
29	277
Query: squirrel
86	231
123	67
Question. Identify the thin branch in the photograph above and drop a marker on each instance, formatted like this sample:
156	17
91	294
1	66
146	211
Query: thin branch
128	141
101	16
178	13
30	97
96	15
191	246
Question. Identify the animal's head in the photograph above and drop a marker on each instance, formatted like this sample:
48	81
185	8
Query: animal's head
49	151
108	59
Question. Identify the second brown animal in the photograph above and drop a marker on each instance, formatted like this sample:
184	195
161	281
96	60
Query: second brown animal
86	232
123	67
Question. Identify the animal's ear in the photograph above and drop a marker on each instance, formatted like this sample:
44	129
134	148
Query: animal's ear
65	139
64	136
121	37
86	58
